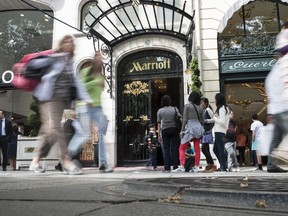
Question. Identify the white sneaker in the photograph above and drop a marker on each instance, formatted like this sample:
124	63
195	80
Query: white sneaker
194	170
179	169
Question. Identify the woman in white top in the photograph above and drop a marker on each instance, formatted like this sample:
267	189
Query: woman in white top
221	118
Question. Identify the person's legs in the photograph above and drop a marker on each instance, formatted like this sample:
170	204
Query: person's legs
280	130
154	158
182	148
197	151
166	149
97	115
220	150
80	136
174	147
206	152
4	148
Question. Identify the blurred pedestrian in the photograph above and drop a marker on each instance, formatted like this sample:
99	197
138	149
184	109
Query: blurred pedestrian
94	81
12	146
230	144
276	86
192	130
55	94
221	118
168	133
207	138
241	143
5	137
255	128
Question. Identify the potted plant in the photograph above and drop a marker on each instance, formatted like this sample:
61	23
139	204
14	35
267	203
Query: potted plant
34	118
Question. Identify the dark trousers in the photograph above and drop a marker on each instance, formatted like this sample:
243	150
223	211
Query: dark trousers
170	147
4	148
219	150
189	163
206	152
241	156
153	157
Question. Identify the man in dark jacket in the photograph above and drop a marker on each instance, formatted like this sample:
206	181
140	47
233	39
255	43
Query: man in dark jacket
5	134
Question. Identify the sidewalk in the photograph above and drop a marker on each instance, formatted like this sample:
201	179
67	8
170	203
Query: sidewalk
93	191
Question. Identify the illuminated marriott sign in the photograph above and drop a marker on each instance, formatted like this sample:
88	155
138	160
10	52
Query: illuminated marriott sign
137	66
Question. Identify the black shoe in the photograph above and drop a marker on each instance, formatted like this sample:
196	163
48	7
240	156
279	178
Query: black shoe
4	169
59	167
277	170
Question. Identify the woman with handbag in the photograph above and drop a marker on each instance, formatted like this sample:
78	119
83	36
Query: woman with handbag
168	133
192	130
54	95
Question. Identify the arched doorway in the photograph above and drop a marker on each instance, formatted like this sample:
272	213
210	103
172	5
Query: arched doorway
142	79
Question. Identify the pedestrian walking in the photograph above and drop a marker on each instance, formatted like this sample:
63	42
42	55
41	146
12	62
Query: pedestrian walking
276	86
168	133
5	137
221	118
241	143
94	81
192	130
12	146
256	136
230	145
55	94
207	138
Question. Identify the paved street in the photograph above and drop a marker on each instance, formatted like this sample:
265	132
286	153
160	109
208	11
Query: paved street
138	191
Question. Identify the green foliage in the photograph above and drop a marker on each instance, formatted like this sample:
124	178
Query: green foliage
195	77
34	118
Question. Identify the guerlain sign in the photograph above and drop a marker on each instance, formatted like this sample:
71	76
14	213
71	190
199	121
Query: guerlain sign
247	65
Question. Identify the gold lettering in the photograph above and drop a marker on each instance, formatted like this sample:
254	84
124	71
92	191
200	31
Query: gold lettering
136	66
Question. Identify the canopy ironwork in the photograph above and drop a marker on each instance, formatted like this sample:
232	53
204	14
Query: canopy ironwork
119	20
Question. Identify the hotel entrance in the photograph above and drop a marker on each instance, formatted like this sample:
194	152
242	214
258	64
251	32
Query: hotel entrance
143	79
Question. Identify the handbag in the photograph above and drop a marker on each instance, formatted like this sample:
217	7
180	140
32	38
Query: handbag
178	121
38	67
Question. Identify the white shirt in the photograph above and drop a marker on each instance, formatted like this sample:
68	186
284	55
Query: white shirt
222	120
255	126
276	86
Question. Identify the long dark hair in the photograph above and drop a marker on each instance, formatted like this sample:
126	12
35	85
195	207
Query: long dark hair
220	101
195	98
206	101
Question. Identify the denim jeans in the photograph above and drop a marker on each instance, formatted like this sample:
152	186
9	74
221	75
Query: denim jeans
97	116
231	151
280	130
80	136
219	150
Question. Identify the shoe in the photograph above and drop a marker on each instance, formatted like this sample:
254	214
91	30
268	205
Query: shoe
4	169
104	168
280	154
156	169
259	170
213	168
59	167
75	171
194	170
277	170
233	169
179	169
36	168
166	171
